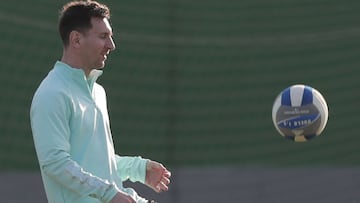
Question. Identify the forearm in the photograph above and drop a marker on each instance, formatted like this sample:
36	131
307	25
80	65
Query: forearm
72	177
133	168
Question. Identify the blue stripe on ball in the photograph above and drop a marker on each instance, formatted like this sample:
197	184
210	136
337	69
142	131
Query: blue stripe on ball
285	97
307	96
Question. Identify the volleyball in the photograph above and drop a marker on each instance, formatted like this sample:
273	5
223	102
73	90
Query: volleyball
300	113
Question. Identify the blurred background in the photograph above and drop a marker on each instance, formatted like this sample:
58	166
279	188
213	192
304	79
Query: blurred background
191	84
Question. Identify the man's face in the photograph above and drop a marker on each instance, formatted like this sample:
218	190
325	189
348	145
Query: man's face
97	44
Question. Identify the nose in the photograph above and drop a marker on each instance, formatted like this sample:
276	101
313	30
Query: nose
111	44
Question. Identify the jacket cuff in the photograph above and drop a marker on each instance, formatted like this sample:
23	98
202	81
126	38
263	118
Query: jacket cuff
140	170
110	194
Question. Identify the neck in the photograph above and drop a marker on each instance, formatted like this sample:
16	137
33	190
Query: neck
74	62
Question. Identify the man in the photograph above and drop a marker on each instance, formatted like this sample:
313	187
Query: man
70	123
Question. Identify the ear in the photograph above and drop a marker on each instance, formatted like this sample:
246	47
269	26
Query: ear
75	39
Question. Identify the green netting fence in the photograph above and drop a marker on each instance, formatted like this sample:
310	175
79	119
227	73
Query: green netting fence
193	82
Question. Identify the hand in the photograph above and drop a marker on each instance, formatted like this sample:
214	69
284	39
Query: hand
121	197
157	176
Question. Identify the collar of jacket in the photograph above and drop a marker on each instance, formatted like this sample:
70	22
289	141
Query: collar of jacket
78	74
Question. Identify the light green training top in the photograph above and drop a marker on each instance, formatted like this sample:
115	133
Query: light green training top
73	141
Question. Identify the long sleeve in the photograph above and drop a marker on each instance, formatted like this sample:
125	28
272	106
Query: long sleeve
133	168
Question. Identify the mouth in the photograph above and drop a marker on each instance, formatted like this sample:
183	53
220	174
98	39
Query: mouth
104	57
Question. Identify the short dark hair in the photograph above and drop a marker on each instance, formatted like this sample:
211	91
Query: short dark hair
76	15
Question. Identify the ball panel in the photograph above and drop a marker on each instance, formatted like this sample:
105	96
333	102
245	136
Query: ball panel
291	119
285	97
307	97
296	94
321	104
276	106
